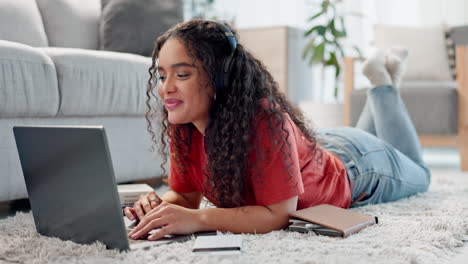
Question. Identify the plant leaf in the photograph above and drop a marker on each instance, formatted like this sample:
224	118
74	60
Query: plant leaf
334	31
331	26
331	60
309	48
340	49
316	15
321	30
310	31
325	4
337	69
319	53
345	33
339	34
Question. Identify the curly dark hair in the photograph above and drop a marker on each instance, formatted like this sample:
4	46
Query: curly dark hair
230	136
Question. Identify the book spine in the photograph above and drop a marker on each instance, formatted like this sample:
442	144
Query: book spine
357	228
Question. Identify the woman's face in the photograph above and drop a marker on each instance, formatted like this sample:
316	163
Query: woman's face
183	86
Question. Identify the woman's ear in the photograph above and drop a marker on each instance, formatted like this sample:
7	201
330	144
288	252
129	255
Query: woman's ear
210	92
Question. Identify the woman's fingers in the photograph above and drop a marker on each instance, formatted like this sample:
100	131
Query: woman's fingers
145	203
129	213
149	201
154	199
138	210
165	230
168	219
155	214
145	227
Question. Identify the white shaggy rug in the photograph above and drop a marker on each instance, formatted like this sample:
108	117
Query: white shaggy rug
427	228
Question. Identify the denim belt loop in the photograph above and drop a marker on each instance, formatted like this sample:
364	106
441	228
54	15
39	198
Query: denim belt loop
352	177
350	173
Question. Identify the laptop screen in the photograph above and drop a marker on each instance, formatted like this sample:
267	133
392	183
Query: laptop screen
71	185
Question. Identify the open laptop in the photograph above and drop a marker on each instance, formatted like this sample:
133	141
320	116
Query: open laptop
71	186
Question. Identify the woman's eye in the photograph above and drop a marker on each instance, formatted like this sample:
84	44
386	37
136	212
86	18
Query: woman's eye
183	76
162	78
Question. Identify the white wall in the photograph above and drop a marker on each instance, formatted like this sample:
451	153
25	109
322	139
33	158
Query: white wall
261	13
422	12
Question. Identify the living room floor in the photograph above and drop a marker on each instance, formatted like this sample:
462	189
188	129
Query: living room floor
440	159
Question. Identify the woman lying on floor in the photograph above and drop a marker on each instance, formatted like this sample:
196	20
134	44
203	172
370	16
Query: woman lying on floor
237	141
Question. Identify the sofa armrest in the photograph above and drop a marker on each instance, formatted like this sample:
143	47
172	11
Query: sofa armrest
349	63
28	82
462	86
462	89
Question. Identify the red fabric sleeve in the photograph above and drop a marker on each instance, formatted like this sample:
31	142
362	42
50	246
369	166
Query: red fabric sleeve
178	180
276	175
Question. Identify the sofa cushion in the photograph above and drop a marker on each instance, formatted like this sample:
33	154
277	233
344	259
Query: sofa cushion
100	83
71	23
28	82
432	106
427	58
20	21
133	25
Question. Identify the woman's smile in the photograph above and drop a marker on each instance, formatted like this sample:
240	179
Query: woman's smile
172	103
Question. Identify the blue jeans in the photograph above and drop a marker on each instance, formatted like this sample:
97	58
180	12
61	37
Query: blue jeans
382	155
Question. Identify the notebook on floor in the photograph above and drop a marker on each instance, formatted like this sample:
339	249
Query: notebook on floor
329	220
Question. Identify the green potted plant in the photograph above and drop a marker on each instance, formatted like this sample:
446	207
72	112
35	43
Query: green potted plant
325	37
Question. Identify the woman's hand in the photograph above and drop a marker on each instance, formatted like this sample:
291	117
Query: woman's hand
170	218
143	206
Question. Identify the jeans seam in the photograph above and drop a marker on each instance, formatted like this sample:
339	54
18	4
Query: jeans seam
356	142
390	177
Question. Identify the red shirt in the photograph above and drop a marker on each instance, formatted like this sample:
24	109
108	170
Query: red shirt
317	177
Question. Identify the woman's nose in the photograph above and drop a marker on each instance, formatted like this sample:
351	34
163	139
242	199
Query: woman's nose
169	86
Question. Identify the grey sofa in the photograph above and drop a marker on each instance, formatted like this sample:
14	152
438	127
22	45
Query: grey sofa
75	84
